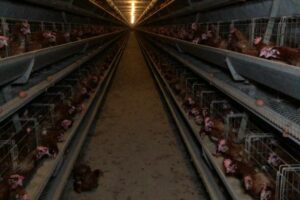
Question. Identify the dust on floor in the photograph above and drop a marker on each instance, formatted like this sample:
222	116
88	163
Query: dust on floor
135	144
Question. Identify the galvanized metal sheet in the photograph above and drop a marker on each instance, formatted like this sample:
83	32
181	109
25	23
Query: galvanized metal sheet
278	76
14	67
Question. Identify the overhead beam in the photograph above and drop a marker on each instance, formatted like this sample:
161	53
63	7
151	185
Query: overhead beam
125	7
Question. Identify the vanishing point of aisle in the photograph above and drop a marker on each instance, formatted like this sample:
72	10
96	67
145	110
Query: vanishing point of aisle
135	144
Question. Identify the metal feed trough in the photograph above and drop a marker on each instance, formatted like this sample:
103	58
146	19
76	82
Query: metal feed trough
235	121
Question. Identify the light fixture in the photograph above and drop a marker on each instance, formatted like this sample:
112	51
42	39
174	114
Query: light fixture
112	5
132	12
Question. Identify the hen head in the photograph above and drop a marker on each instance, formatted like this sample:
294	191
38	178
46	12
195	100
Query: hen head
222	146
257	40
266	193
274	159
42	151
208	124
15	180
25	28
230	166
248	182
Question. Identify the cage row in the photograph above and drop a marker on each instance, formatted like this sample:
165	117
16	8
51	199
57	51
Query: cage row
250	151
33	133
18	37
275	39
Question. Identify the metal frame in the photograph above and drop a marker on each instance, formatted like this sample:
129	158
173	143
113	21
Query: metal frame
287	176
244	65
206	150
206	175
14	67
16	103
259	147
220	80
283	176
54	188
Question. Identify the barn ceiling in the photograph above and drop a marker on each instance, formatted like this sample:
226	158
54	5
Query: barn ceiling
132	9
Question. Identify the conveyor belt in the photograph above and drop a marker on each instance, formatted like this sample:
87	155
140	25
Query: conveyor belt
134	144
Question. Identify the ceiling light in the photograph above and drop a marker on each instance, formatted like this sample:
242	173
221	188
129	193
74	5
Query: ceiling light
132	12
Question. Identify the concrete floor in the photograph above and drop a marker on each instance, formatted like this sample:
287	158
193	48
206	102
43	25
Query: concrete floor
135	144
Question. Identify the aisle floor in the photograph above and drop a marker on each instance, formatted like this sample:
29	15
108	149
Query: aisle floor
134	142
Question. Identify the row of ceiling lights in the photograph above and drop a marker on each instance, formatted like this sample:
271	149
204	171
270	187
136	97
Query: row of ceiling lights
132	12
111	4
133	9
132	21
152	3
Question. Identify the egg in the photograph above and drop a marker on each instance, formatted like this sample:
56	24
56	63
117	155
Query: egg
260	102
23	94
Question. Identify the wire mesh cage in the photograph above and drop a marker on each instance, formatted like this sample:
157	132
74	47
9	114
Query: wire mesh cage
277	162
235	121
291	32
192	84
281	31
197	87
264	149
260	27
6	156
20	36
26	141
18	140
260	147
288	182
206	96
7	153
52	95
224	29
185	78
236	126
245	26
219	105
